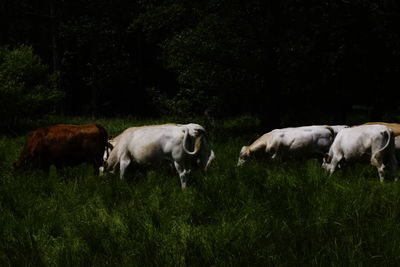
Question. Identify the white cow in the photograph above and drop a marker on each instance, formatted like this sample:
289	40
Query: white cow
304	142
183	145
374	142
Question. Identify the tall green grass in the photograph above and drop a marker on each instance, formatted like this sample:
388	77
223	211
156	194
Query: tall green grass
261	214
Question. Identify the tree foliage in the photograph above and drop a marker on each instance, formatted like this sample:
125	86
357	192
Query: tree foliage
26	87
281	60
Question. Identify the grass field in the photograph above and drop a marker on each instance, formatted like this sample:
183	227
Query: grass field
275	214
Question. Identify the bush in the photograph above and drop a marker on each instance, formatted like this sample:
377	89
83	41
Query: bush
27	90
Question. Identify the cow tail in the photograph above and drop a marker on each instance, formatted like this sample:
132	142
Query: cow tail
197	143
389	134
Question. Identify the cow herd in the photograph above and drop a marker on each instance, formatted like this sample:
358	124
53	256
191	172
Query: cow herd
186	146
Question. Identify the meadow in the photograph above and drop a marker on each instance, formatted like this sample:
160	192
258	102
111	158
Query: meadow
268	214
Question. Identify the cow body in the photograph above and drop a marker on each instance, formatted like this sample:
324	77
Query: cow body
113	141
304	142
373	142
64	145
147	145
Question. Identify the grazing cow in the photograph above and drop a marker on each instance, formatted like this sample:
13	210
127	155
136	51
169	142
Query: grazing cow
395	127
63	145
147	145
304	142
373	142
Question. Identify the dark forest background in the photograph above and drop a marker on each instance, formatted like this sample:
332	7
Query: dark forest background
286	62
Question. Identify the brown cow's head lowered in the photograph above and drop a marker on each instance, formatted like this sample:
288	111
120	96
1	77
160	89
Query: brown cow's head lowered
21	163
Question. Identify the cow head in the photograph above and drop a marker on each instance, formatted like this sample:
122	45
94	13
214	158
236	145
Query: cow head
22	163
243	155
326	162
327	158
107	151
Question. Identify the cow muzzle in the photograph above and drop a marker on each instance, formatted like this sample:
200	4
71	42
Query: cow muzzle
240	162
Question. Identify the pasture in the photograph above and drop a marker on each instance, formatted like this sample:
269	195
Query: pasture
277	214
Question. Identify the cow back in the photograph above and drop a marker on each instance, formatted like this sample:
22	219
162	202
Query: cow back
395	127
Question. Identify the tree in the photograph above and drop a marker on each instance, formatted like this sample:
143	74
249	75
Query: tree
26	87
224	50
288	62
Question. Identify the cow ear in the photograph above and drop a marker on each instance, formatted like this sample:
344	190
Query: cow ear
110	146
244	151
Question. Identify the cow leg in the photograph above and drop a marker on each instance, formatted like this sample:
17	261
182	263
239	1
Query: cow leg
182	173
393	165
123	165
381	171
393	168
377	162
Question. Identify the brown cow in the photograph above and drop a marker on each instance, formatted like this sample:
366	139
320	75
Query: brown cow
63	145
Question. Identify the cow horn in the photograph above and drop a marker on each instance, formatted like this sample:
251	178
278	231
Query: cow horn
197	143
